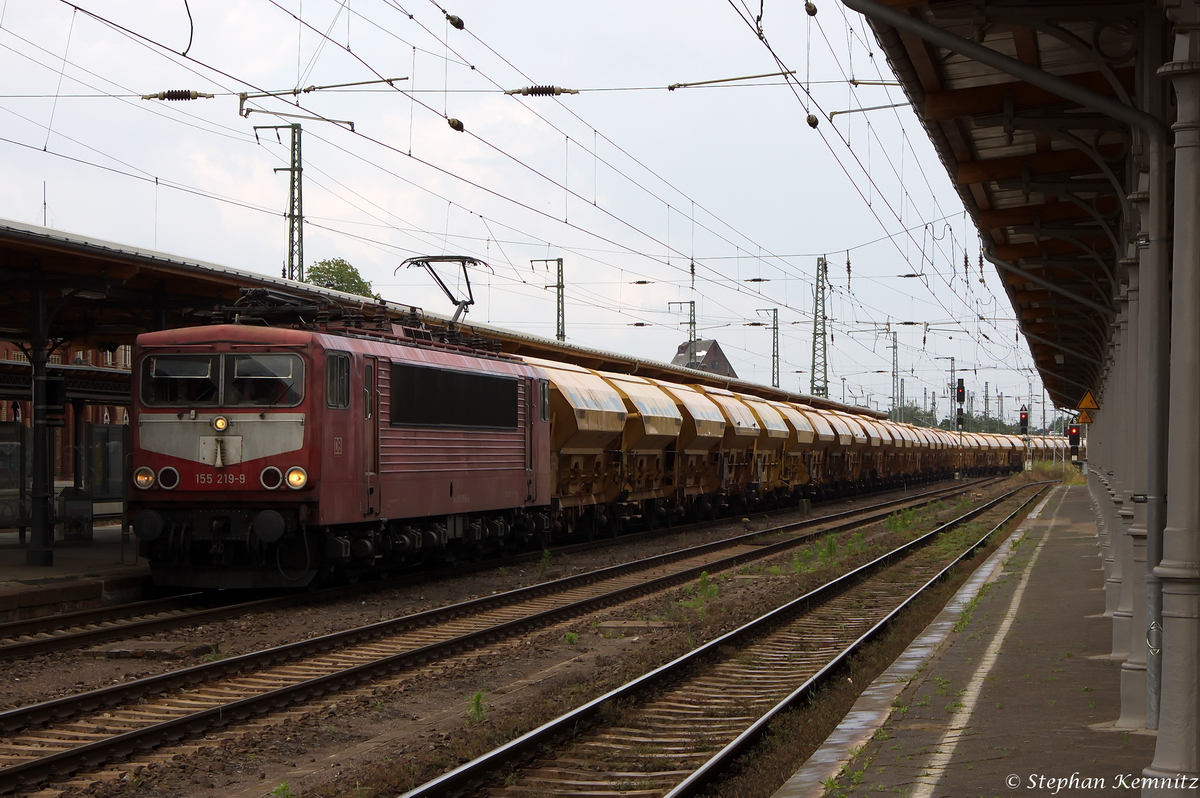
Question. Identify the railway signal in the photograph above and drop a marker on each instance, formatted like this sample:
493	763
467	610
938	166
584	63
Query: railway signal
1024	421
960	393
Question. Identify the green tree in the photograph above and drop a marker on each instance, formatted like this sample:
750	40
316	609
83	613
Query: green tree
338	274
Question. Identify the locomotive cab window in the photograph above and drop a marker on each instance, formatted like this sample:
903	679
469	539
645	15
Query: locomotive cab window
187	380
337	380
265	380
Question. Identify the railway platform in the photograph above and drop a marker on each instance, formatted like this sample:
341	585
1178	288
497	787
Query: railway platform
105	570
1010	691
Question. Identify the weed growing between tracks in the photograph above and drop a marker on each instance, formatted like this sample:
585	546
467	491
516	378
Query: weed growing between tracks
1046	472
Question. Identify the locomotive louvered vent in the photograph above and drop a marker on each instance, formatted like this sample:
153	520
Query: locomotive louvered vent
433	397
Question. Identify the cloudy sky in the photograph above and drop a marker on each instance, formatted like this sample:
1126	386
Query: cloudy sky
719	194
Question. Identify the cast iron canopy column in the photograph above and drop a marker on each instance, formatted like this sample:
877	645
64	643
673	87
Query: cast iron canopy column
1116	464
40	551
1177	751
1133	670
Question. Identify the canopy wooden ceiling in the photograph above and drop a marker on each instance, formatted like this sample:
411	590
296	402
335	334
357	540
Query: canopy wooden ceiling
1053	186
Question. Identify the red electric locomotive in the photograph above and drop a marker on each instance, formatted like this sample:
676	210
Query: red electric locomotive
276	457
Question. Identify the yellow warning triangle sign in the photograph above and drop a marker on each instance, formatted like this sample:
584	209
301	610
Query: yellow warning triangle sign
1084	417
1088	402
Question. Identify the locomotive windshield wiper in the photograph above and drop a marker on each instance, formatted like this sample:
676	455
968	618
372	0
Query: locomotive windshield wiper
282	391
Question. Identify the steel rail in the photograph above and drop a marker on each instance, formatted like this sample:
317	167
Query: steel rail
109	696
471	773
50	623
696	782
57	637
22	775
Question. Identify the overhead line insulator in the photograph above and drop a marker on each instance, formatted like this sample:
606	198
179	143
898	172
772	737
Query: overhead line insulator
541	91
178	94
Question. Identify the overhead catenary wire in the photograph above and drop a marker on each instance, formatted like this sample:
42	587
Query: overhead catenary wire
701	261
808	97
131	33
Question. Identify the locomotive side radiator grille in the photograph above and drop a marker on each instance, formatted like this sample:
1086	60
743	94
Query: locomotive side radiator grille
415	449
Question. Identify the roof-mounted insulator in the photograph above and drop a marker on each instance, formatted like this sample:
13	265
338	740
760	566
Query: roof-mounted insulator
455	22
177	94
541	91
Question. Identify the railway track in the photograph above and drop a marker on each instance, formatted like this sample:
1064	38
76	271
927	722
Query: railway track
673	730
57	738
103	624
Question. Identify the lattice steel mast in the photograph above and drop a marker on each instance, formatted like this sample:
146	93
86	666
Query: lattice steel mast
691	344
560	327
295	213
774	344
819	385
897	399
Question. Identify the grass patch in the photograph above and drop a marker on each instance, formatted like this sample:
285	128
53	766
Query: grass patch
701	592
901	520
476	709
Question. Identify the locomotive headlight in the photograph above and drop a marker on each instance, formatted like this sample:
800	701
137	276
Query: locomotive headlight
271	478
143	478
297	477
220	423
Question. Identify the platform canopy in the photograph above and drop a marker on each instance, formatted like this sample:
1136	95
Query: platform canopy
103	294
1029	133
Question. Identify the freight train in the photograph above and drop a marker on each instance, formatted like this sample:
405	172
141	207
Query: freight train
287	456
